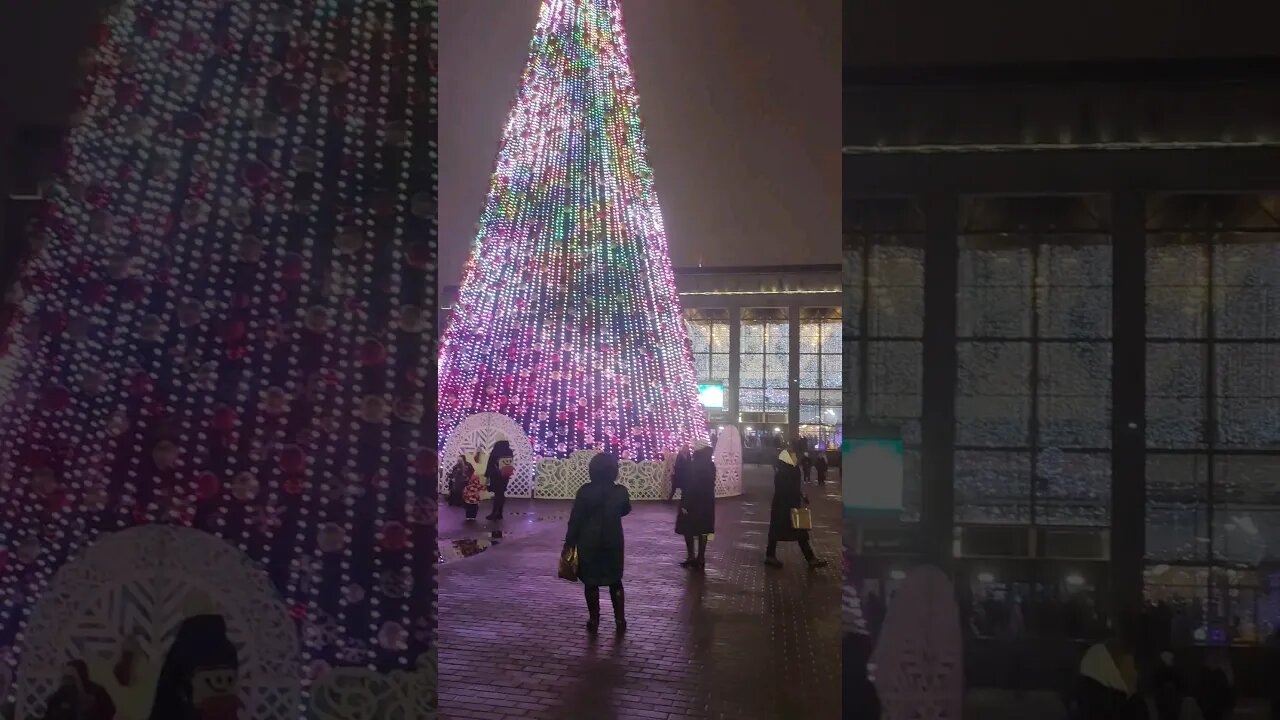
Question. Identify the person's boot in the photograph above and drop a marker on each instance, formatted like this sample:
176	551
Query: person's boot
593	611
815	563
701	561
619	610
772	561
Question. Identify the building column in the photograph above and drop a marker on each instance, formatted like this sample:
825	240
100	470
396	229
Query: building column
735	362
937	463
793	372
1128	383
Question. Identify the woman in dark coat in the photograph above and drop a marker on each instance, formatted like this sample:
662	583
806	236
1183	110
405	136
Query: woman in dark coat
788	494
79	698
458	476
1216	693
501	468
595	529
696	518
1106	686
201	645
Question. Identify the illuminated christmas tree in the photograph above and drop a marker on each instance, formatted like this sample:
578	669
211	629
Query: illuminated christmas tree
567	319
227	319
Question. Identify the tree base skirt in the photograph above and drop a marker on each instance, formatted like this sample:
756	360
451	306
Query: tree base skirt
560	478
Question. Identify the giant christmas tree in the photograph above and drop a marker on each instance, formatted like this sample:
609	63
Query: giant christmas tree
567	319
226	324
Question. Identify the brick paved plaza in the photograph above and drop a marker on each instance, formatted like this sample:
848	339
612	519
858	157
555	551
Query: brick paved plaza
742	641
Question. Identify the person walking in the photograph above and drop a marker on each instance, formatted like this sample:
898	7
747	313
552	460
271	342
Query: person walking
1272	658
680	471
475	484
696	517
820	466
1215	691
806	463
498	472
1107	684
458	476
595	531
788	495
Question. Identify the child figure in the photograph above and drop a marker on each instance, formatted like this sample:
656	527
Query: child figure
475	484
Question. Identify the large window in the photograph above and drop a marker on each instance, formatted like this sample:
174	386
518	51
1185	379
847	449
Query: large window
1033	386
709	337
765	365
884	326
1213	412
821	374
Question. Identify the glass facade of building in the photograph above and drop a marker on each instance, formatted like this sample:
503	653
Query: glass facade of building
1042	447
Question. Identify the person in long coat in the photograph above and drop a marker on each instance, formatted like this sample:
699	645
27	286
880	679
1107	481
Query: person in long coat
475	484
498	472
696	517
79	698
595	529
680	471
788	494
458	476
201	646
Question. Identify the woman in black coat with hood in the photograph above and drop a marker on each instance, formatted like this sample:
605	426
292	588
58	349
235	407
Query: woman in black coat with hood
696	518
788	495
595	529
498	472
201	646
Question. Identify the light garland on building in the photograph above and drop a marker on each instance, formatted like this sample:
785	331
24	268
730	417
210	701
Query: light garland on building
227	319
567	319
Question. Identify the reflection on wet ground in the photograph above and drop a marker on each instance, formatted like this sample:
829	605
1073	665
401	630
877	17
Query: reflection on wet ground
460	539
737	641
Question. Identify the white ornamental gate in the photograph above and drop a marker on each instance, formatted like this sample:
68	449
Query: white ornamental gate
143	583
480	431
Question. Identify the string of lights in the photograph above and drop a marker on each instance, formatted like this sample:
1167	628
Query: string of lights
567	319
223	321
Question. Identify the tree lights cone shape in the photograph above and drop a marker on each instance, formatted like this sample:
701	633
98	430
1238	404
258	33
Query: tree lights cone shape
226	319
567	320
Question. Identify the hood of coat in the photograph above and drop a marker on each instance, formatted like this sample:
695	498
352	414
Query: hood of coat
1099	665
787	457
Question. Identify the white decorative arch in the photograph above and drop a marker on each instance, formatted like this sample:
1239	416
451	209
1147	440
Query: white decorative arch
728	459
919	663
143	582
479	432
352	693
560	479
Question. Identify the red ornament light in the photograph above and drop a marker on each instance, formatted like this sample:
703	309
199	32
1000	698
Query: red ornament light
293	460
393	536
372	353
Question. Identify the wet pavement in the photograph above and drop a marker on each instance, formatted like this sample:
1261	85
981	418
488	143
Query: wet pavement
739	641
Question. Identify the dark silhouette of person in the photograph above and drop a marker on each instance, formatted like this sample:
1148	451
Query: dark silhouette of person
861	700
1272	659
788	495
1106	686
458	476
595	529
79	698
198	678
499	471
680	472
1215	691
806	464
696	517
820	466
